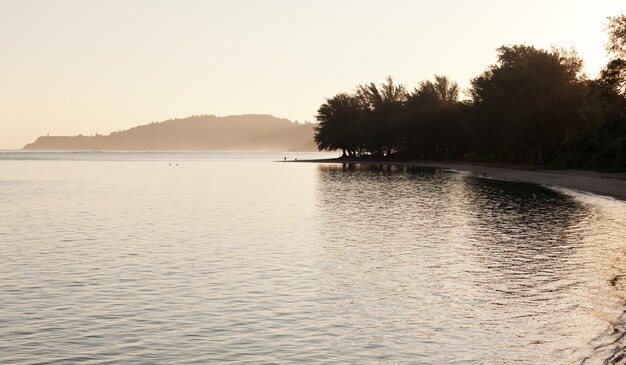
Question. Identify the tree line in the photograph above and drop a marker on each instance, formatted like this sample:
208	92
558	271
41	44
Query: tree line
532	106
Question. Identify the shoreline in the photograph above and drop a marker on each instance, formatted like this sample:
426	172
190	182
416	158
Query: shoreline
611	185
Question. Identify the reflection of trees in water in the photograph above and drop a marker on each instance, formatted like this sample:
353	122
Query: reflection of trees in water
541	246
514	264
388	217
528	233
383	196
380	260
524	230
383	168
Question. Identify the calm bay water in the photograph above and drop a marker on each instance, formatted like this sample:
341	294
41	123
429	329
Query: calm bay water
132	259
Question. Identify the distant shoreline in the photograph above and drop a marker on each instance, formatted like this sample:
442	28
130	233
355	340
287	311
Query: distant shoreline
606	184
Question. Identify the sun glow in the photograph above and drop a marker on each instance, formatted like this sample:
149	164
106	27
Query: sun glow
73	68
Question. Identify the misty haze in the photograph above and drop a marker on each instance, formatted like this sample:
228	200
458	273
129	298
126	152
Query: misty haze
321	182
197	133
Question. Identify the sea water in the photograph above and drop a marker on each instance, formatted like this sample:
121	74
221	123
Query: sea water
181	258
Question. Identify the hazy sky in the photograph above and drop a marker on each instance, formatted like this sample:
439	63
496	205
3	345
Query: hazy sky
72	67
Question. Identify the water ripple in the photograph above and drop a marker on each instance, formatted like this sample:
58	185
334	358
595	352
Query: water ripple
135	262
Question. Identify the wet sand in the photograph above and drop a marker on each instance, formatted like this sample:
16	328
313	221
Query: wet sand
607	184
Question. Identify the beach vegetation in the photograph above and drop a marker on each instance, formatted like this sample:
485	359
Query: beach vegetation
532	106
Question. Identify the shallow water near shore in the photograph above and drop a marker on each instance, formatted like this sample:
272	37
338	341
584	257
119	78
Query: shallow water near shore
205	257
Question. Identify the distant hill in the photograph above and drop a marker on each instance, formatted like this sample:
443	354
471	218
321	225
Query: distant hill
250	132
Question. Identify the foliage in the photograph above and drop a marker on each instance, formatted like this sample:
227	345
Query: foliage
525	102
338	120
531	106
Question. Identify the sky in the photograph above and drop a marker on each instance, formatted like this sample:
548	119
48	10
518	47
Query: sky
72	67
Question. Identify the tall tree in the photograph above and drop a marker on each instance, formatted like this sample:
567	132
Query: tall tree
613	76
525	102
381	104
428	126
600	141
339	118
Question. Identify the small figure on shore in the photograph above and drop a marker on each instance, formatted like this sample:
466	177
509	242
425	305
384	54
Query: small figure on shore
295	159
285	159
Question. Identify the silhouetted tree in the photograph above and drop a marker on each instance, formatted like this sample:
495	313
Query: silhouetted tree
532	105
429	124
339	118
380	105
613	76
599	142
524	103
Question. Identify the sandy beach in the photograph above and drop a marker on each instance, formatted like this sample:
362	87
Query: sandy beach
606	184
